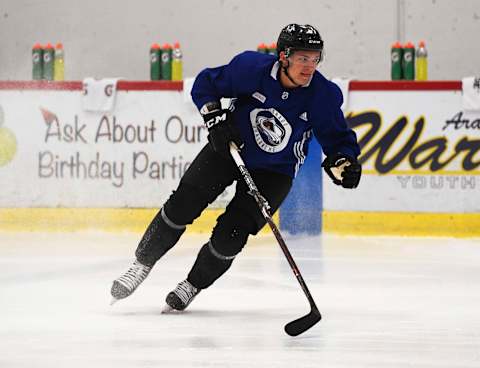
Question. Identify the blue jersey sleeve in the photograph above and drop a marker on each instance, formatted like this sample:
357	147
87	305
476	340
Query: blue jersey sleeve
331	129
226	81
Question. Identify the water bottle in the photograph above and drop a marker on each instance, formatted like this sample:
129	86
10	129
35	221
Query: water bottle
421	62
272	49
262	47
166	62
37	62
177	63
59	64
155	71
396	55
48	59
408	61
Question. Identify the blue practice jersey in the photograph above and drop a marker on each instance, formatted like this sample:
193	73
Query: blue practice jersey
276	123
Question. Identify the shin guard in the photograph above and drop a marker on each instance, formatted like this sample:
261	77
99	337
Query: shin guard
208	267
161	235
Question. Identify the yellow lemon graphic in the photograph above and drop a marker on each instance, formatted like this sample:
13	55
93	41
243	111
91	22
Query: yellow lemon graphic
8	146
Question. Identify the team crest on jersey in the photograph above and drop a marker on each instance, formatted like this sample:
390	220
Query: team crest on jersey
271	130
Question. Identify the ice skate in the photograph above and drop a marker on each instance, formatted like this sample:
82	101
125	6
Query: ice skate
180	297
129	281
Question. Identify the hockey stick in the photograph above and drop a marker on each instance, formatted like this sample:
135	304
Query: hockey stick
301	324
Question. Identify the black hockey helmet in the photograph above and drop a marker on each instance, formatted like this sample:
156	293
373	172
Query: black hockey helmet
299	37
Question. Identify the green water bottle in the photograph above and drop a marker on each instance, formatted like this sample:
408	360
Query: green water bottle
166	62
272	49
262	47
408	63
37	62
155	72
396	54
48	62
177	63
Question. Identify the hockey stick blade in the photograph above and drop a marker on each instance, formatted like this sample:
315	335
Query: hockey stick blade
302	324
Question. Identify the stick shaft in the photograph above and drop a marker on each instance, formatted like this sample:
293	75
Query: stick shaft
265	209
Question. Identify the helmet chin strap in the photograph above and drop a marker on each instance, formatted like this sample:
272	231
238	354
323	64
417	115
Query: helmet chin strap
285	70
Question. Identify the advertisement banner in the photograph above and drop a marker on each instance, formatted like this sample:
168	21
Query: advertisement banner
55	154
420	153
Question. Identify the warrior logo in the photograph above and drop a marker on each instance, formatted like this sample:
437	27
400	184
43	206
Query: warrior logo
272	131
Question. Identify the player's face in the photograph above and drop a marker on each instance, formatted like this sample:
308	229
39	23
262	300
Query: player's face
302	65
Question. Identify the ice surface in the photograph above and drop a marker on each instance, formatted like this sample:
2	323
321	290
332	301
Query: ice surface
386	302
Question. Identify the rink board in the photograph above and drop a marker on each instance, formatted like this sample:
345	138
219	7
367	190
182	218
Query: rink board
419	154
115	220
420	158
65	156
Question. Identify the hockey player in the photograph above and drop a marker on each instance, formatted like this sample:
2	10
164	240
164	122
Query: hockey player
277	102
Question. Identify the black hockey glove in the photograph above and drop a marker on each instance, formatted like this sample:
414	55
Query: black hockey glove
222	131
343	170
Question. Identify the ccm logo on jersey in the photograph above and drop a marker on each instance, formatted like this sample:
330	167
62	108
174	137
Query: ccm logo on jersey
216	120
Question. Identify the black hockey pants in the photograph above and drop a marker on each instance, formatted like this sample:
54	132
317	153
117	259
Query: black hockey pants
205	179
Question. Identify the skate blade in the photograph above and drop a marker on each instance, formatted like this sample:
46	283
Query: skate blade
169	310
